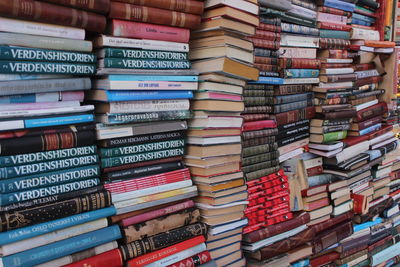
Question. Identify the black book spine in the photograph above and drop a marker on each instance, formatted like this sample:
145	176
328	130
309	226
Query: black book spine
259	133
143	171
46	142
292	139
259	141
159	241
288	133
260	158
255	150
293	125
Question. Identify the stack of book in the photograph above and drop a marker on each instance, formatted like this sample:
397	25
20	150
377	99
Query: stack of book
225	60
141	96
53	208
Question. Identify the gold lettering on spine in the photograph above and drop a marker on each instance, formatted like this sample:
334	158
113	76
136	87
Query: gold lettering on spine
128	12
183	20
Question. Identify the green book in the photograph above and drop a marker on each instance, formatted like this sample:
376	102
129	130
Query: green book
31	67
111	52
334	34
122	63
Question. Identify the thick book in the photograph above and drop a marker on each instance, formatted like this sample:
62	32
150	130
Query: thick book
153	15
190	6
54	14
332	236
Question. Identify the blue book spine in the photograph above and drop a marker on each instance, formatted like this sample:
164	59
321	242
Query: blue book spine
363	18
301	263
334	34
62	248
28	98
147	95
16	197
371	129
47	227
360	22
166	78
301	73
359	227
385	254
268	80
340	5
47	166
62	120
24	183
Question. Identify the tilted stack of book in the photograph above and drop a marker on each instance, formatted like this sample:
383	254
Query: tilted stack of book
141	96
225	61
53	208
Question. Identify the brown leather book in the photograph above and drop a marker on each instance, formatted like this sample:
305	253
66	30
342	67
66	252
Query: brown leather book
332	222
284	245
338	78
97	6
187	6
275	229
351	257
53	14
153	15
332	236
338	114
373	211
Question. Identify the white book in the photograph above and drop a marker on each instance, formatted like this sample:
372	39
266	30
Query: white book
338	60
386	50
80	255
39	105
161	195
148	191
301	81
299	41
52	237
178	256
388	141
366	105
212	207
327	154
216	230
339	71
238	4
291	154
276	238
311	163
215	122
336	85
366	73
37	28
327	147
349	152
213	140
366	49
44	112
138	85
364	34
124	107
104	40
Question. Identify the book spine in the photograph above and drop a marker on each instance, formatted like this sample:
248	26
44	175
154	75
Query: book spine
364	34
55	14
28	54
289	52
305	4
292	106
100	6
52	226
331	43
148	116
137	234
109	258
43	97
334	11
331	18
246	161
349	7
25	183
46	67
269	27
160	241
293	89
15	197
190	6
42	29
142	64
42	167
334	26
298	29
371	112
335	234
370	129
267	35
266	60
253	126
260	52
196	260
294	116
149	105
300	73
144	54
368	123
334	34
142	139
289	63
66	208
261	43
103	41
130	29
258	101
63	248
39	86
153	15
129	159
21	159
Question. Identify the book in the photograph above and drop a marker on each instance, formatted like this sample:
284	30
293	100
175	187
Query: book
239	4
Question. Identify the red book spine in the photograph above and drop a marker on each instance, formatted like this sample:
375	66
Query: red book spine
366	66
360	203
165	252
298	63
112	258
195	260
372	111
264	44
266	67
334	11
295	115
336	53
265	60
269	27
369	123
331	43
147	182
353	140
98	6
315	171
258	125
384	130
324	259
331	222
369	80
153	15
185	6
266	35
334	26
254	117
53	14
316	204
130	29
157	213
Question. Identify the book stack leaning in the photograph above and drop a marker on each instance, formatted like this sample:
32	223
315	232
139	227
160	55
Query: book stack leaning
141	96
53	208
225	61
